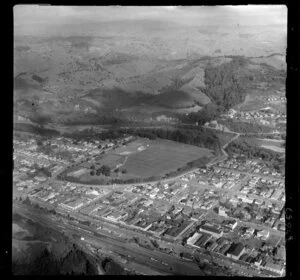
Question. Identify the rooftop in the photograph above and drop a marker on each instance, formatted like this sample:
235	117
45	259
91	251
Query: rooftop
211	229
235	249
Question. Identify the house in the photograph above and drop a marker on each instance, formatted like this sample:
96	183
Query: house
258	201
249	231
147	203
264	234
177	210
231	224
277	268
235	251
222	211
258	261
245	199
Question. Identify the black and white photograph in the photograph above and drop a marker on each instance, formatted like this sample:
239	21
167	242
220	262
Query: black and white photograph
149	140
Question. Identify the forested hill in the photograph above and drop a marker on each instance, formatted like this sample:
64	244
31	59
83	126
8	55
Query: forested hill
223	85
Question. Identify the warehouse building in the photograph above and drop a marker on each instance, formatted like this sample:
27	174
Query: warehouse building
235	251
217	233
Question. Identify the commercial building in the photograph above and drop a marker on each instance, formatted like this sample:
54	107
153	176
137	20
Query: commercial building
235	251
193	239
211	230
230	224
72	205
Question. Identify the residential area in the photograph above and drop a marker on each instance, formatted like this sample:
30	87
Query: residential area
232	211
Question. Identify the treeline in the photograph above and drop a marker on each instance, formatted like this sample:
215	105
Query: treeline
199	137
271	158
208	113
26	127
202	138
93	119
91	134
104	169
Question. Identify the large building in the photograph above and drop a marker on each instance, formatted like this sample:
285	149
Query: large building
235	251
229	224
72	205
193	239
211	230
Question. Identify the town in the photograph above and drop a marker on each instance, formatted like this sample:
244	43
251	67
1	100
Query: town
232	211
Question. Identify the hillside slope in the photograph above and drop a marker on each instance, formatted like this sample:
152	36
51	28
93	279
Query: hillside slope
86	78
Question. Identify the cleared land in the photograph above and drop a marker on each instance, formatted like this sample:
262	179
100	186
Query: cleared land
275	145
274	148
142	159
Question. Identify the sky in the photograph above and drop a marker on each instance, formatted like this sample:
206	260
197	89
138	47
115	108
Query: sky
188	15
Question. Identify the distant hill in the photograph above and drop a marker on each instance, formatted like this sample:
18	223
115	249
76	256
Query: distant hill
81	78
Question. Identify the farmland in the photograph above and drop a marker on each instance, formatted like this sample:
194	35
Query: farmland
141	159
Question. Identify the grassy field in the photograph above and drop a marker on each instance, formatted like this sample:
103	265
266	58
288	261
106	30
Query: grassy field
162	157
143	159
275	145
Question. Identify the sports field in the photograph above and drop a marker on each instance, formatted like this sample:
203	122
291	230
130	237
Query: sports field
142	159
161	157
111	160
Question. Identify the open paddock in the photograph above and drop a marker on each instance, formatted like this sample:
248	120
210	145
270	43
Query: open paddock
161	157
274	145
111	160
143	159
132	147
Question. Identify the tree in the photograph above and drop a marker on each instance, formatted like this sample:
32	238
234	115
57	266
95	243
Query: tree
274	251
105	170
27	201
124	171
92	173
136	239
98	172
